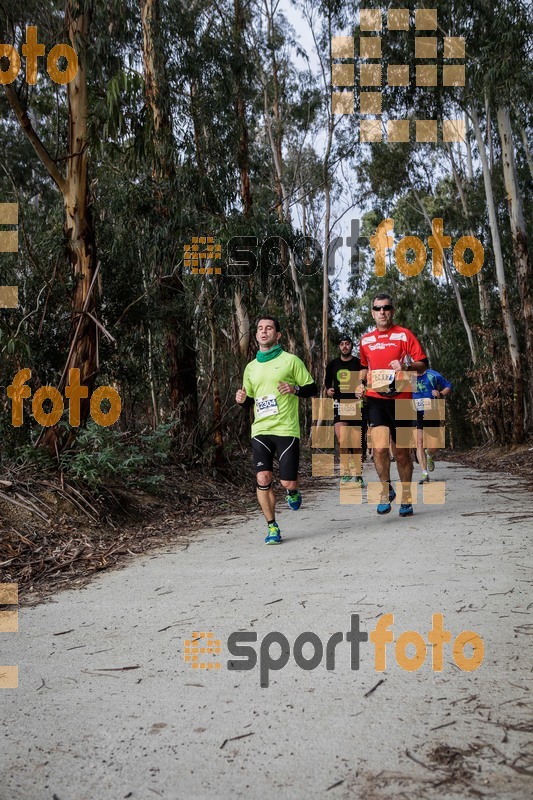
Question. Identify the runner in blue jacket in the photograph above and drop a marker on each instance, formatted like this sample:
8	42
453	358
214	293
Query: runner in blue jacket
430	385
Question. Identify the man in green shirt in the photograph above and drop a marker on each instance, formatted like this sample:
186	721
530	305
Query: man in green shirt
272	383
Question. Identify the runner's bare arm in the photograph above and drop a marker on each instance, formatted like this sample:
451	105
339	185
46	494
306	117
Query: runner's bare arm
419	366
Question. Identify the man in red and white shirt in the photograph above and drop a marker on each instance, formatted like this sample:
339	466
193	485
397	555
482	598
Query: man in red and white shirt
385	352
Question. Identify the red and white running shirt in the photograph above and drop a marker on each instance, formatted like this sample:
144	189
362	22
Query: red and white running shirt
377	350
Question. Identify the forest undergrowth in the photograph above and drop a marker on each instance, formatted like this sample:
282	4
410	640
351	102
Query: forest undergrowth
111	497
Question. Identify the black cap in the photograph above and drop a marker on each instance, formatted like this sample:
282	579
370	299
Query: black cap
345	337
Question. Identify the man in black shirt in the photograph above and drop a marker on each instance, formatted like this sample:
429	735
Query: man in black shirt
342	378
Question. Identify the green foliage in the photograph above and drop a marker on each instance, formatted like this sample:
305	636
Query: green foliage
104	457
101	456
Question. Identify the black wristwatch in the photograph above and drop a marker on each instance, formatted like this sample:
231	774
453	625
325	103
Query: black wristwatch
296	390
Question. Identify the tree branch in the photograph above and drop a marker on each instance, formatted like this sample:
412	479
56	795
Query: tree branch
38	146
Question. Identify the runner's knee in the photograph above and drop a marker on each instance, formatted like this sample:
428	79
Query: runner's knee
264	481
289	484
403	456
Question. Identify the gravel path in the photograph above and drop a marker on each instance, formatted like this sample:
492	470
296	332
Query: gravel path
108	708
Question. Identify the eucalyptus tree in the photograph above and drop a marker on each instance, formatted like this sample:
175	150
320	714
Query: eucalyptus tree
68	169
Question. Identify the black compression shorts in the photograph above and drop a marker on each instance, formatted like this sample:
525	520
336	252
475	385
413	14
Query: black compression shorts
285	448
422	423
382	412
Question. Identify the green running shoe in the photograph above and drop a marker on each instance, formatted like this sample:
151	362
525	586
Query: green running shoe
346	478
274	535
294	499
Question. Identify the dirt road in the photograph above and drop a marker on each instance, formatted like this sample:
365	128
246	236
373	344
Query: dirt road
108	708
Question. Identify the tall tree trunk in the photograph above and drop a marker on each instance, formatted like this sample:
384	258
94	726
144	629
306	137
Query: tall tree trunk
78	223
496	416
488	119
79	230
455	287
524	273
508	321
218	442
240	111
275	136
326	182
180	350
302	313
484	298
527	151
150	354
325	276
243	324
460	306
469	161
157	89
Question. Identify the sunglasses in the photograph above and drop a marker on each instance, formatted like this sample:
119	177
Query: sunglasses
382	308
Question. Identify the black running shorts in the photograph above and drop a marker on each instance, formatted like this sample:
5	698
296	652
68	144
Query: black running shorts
382	412
285	448
422	423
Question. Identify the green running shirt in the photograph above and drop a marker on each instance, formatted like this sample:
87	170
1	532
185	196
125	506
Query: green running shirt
275	413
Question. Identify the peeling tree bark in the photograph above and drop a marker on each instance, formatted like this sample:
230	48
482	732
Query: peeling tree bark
243	325
527	151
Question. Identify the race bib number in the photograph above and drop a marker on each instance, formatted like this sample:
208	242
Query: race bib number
423	404
382	379
266	406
